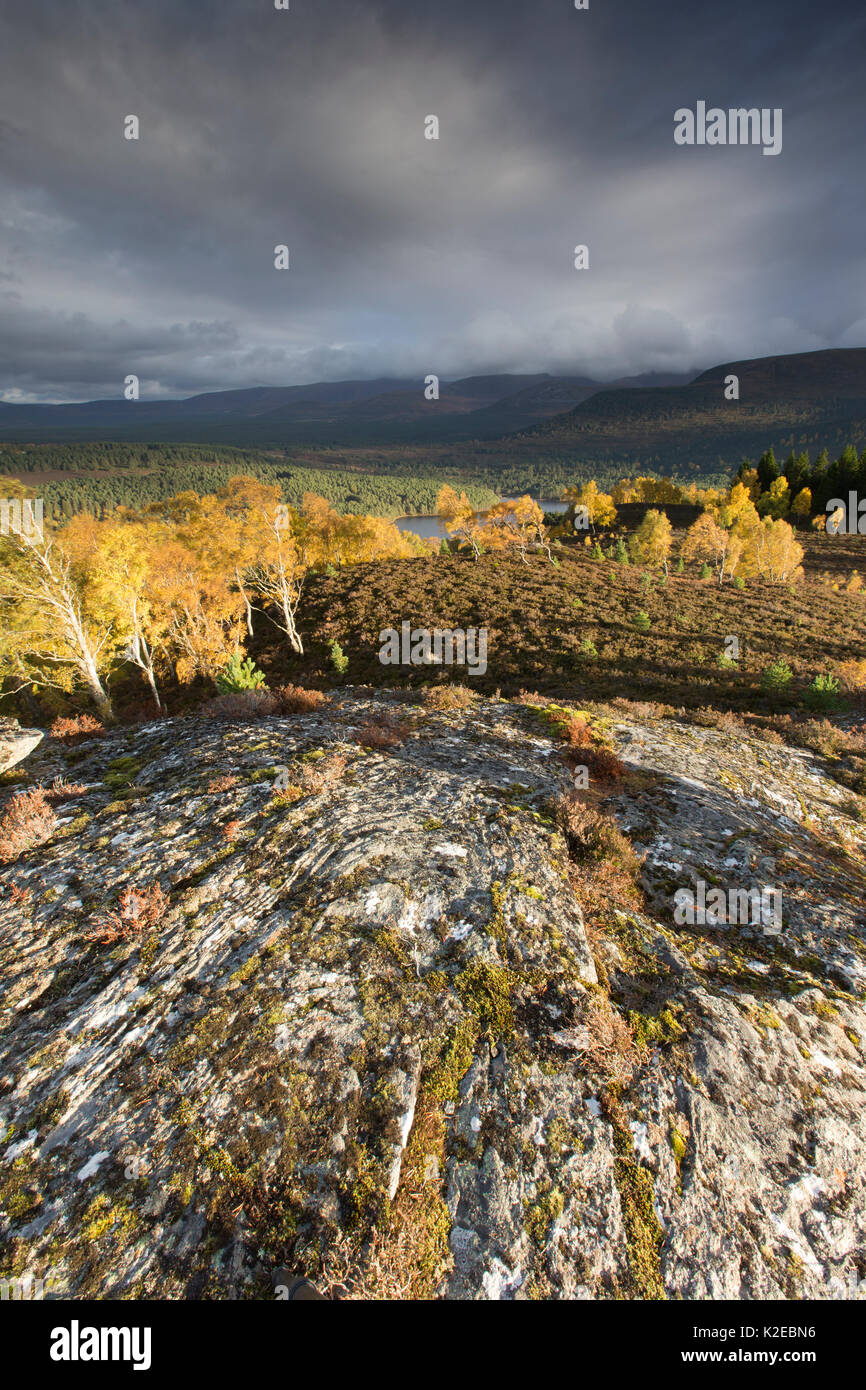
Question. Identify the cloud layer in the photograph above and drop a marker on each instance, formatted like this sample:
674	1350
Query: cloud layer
306	127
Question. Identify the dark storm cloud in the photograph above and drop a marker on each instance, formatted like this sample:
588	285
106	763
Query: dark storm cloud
305	127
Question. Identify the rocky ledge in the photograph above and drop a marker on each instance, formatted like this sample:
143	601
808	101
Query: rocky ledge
350	1017
16	743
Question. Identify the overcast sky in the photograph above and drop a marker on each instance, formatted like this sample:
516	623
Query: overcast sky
409	255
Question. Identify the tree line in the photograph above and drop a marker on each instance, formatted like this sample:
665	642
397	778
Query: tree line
140	474
173	589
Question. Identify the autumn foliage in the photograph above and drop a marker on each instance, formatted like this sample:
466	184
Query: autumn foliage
173	590
139	910
26	821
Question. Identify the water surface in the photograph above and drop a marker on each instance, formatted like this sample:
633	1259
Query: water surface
426	526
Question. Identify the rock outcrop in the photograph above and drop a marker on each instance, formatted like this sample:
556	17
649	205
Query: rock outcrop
368	1033
16	743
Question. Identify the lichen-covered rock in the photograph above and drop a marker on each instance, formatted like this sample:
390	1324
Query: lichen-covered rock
371	1037
16	743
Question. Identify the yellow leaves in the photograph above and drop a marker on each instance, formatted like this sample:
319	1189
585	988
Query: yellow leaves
772	552
734	509
598	506
79	538
852	674
741	507
707	497
452	508
519	522
705	540
765	548
459	517
364	538
513	521
776	501
243	494
624	492
193	608
651	542
752	483
645	489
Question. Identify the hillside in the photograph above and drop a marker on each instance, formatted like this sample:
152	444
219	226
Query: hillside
406	1029
787	402
573	627
259	413
510	433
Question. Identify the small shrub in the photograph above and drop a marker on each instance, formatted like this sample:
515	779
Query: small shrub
606	870
725	720
822	737
776	679
15	894
705	571
822	693
643	709
231	829
75	728
852	675
381	731
603	764
26	821
243	704
139	911
569	726
238	675
222	784
319	776
575	731
620	554
449	697
294	699
593	835
588	650
339	660
610	1048
61	790
642	621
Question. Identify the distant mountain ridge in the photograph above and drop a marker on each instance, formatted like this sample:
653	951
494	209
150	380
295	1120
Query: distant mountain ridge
661	421
381	398
796	401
